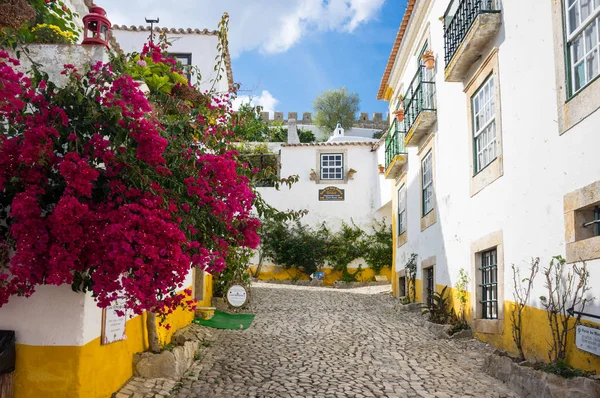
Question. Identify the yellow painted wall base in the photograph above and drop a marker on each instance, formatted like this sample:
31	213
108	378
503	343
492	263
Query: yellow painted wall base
537	335
274	272
92	370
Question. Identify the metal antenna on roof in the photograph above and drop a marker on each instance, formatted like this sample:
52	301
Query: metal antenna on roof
152	22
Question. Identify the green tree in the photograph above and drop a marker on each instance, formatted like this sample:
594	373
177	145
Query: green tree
249	126
335	106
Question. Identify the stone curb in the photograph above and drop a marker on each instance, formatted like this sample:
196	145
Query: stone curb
531	383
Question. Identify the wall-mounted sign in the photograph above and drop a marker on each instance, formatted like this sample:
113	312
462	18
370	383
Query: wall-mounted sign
588	339
113	325
331	194
237	296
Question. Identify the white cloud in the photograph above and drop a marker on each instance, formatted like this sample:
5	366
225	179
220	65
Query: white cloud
271	26
265	100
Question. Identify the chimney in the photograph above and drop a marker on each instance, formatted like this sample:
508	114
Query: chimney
292	137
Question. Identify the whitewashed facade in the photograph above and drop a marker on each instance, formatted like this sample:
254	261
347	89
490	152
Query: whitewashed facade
515	166
190	46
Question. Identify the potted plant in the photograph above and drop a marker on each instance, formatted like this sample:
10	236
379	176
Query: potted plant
428	59
381	168
399	113
351	172
313	175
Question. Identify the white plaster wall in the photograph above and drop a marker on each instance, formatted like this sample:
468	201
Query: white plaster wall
361	193
52	57
202	47
51	316
540	166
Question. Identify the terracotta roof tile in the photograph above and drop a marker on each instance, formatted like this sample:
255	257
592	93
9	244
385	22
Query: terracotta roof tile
399	36
352	143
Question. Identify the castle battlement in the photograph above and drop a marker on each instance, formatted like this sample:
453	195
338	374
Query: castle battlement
363	121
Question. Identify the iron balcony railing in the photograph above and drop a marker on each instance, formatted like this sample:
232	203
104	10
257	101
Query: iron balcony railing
419	97
394	143
458	19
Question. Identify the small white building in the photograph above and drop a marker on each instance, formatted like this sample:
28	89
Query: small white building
496	160
197	47
345	164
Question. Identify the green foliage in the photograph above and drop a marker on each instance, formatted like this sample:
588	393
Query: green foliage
411	272
439	310
377	247
457	327
563	369
280	134
158	76
298	246
347	277
295	245
55	14
335	106
236	271
461	292
249	126
263	165
378	134
346	246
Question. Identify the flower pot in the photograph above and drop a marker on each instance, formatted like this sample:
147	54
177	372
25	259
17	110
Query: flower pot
381	169
351	174
313	176
428	59
399	114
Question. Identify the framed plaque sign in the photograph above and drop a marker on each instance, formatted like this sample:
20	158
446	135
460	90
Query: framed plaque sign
237	296
588	339
331	194
113	325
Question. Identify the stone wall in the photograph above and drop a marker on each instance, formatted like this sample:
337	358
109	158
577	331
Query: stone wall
363	121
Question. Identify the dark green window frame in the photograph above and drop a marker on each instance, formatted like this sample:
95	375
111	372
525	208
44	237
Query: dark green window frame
423	188
567	56
477	170
489	284
430	277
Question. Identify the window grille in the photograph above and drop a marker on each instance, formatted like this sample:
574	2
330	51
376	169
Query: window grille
427	173
582	19
402	210
332	166
489	284
484	125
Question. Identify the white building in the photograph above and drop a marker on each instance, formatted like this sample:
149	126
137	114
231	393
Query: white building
497	158
339	181
197	47
331	162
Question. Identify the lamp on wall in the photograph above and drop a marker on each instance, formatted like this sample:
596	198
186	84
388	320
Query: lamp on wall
96	27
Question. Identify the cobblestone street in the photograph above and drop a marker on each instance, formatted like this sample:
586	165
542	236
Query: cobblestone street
317	342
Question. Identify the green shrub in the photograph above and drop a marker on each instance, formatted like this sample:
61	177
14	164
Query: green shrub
439	309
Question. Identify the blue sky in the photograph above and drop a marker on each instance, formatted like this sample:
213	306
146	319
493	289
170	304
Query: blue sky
286	52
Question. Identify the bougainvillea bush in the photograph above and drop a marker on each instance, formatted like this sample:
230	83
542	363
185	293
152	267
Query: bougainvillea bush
113	191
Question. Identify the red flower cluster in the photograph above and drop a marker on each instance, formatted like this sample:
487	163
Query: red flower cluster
94	200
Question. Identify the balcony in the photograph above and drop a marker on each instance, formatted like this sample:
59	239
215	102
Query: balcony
419	107
395	152
469	26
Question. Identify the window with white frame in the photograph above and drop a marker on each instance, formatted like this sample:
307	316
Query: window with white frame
402	210
583	38
332	166
484	125
427	173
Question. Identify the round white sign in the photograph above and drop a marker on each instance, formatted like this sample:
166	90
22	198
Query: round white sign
236	295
